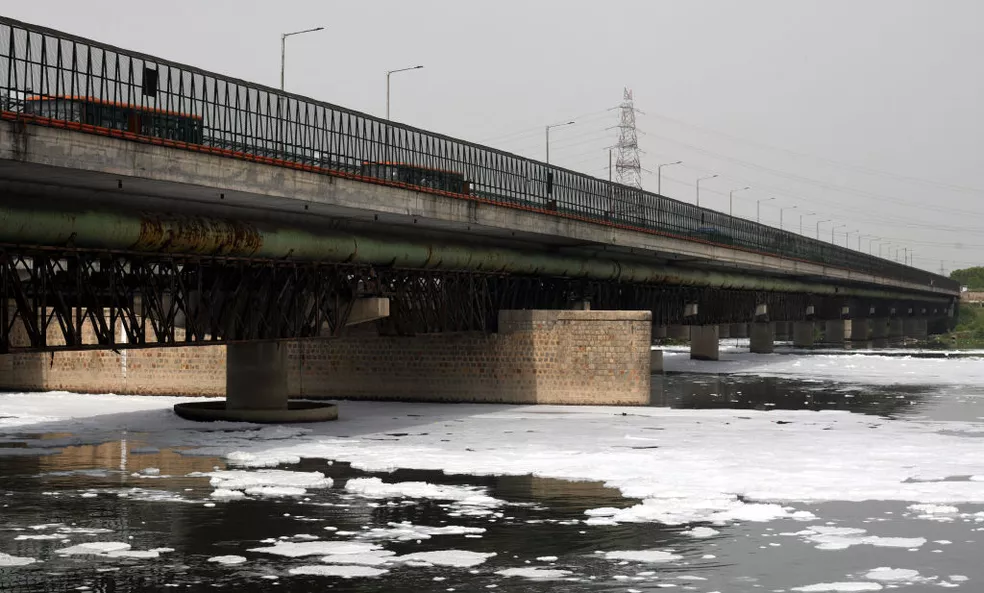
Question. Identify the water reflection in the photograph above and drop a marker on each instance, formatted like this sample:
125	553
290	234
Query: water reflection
700	391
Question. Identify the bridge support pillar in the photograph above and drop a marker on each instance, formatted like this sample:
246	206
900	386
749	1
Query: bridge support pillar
896	330
834	332
724	331
860	332
678	332
762	338
704	342
739	330
803	334
879	332
256	390
659	332
916	328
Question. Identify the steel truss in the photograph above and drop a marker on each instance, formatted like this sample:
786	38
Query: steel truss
71	299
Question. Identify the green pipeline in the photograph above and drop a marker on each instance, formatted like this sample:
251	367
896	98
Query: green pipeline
207	236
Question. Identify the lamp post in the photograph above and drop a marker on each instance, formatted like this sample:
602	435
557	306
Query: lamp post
819	222
659	175
847	238
758	208
731	199
802	214
388	73
283	49
834	228
566	123
781	210
699	179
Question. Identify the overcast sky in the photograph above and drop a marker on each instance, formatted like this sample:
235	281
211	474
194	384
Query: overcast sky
867	112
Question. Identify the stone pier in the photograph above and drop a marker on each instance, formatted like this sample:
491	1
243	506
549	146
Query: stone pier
835	331
704	342
762	339
804	334
879	332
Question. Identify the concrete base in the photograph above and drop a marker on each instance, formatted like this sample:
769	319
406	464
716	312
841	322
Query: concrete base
860	331
762	339
655	361
833	332
256	390
704	342
804	334
297	411
915	328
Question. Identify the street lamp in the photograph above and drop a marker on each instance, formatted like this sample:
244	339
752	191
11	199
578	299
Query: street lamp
758	208
659	175
699	179
781	210
283	49
566	123
802	214
847	238
819	222
731	199
388	73
832	229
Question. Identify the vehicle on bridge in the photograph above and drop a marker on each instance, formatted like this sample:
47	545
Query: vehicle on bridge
439	179
136	119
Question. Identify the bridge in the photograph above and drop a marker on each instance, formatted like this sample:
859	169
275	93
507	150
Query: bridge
146	204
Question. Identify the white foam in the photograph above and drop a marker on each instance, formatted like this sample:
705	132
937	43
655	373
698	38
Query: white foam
93	548
407	531
841	538
315	548
226	494
229	559
534	573
456	558
7	560
243	479
643	556
464	495
886	574
546	558
701	532
373	558
338	570
845	587
275	491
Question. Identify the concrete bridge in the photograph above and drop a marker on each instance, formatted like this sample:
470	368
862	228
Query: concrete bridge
146	204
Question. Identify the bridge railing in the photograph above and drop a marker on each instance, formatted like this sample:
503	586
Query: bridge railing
59	79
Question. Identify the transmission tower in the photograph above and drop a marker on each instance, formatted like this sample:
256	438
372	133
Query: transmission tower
628	168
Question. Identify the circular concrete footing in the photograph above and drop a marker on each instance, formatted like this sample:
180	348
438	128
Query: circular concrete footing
297	411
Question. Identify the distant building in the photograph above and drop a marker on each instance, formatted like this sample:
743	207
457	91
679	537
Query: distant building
972	297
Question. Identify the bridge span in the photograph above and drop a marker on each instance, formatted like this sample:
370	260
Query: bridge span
148	204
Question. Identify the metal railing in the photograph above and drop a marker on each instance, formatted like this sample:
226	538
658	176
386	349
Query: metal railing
104	89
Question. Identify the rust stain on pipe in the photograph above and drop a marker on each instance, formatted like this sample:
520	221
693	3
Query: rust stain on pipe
190	234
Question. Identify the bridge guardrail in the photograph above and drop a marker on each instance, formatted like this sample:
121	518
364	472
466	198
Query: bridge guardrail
56	78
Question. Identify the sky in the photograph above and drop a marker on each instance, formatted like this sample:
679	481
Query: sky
865	113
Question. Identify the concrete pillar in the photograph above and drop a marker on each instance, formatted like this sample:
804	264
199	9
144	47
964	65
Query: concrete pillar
803	334
678	332
895	329
879	332
655	361
724	331
256	376
782	331
739	330
368	309
833	332
659	331
762	339
860	330
704	342
915	328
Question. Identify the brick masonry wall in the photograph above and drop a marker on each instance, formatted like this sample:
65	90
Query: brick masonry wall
548	357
